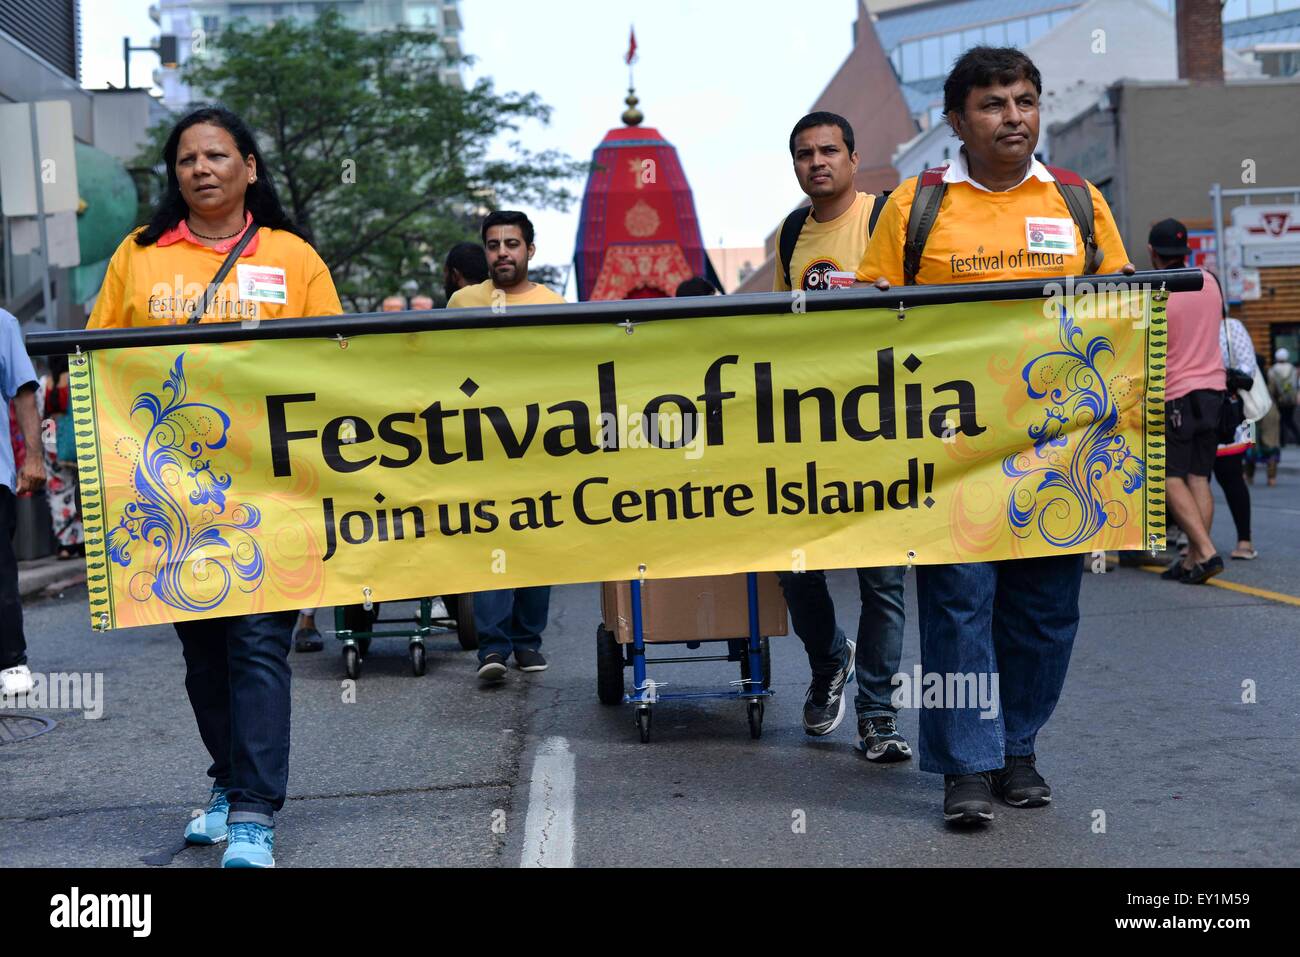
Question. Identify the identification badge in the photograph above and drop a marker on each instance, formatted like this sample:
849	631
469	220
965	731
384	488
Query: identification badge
1049	235
261	283
839	279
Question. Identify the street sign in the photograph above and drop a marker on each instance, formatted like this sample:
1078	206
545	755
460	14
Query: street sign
1263	225
58	164
1279	254
1249	284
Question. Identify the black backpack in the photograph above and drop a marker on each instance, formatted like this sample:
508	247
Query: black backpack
793	226
930	188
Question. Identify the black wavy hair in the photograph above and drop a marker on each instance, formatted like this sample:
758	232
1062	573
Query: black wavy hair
822	118
261	199
982	66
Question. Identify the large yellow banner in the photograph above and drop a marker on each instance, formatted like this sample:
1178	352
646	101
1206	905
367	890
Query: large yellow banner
229	478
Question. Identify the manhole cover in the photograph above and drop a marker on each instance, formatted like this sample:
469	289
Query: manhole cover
19	727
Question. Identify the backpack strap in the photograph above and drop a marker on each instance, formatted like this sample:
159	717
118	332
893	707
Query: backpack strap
930	188
1078	200
790	231
876	208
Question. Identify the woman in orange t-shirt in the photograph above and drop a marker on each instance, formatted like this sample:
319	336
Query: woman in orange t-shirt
236	668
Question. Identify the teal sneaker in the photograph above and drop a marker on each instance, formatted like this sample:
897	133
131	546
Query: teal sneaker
250	846
210	826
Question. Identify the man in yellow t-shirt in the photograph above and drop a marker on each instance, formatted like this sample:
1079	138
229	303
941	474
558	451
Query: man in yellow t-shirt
1010	625
819	248
829	236
508	239
508	620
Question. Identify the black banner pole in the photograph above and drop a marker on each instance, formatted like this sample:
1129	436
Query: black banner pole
606	312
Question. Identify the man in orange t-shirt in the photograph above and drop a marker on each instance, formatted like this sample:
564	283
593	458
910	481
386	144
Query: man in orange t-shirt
1002	217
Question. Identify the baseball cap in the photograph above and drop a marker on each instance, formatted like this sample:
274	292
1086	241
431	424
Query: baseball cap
1282	355
1169	238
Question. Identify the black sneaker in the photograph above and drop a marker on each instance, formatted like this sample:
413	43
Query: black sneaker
307	639
527	659
1020	784
823	707
879	740
492	668
967	798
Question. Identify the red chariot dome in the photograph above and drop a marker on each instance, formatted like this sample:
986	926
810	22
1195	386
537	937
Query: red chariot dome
638	236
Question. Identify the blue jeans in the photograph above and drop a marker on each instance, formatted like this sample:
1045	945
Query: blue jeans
237	675
1014	619
510	618
880	631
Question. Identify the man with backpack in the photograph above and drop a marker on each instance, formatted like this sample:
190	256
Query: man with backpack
1283	386
820	245
996	213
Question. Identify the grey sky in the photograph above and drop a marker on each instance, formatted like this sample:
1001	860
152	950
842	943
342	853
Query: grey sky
723	80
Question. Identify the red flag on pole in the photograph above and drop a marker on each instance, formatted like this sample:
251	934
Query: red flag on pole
631	47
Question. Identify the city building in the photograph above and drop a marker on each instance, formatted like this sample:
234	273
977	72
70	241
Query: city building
865	91
1156	149
735	264
196	21
1080	55
40	53
920	39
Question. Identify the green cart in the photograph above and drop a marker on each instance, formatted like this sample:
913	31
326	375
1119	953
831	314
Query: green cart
356	626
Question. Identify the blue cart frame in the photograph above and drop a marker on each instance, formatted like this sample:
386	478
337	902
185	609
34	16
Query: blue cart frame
752	653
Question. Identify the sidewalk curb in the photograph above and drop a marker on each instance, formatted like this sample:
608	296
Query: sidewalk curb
49	574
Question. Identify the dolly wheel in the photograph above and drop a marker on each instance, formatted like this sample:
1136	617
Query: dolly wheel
466	633
417	658
755	711
352	661
643	724
609	667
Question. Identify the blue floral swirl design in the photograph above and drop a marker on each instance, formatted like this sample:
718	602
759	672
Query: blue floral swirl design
1076	446
158	516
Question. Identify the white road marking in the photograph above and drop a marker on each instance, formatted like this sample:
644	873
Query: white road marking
548	829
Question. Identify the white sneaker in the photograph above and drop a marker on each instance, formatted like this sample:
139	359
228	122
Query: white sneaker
16	681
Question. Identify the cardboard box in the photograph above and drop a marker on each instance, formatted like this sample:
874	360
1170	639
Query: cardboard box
708	608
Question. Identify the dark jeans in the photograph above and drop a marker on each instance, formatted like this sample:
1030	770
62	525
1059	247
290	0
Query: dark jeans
880	631
13	645
1014	619
1288	426
237	675
1229	470
510	618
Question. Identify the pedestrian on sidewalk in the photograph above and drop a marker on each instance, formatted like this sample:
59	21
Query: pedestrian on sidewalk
1268	441
1230	461
820	246
1283	386
220	201
509	620
60	448
1012	622
17	385
1195	390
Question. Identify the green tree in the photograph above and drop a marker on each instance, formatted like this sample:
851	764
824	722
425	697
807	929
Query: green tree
385	163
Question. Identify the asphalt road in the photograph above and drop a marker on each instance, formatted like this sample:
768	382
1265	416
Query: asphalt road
1151	731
